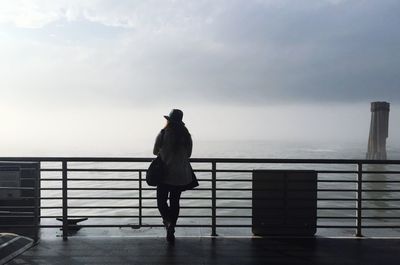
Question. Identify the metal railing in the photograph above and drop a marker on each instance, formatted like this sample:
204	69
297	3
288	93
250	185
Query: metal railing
352	194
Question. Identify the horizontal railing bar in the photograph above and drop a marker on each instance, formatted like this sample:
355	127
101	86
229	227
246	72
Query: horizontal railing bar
237	198
204	198
336	217
103	198
191	207
318	226
86	198
118	170
233	226
204	207
20	198
91	179
194	207
381	172
382	227
133	225
101	179
251	170
233	170
336	208
381	208
77	159
105	170
390	199
108	170
381	181
131	198
334	190
16	188
16	207
234	180
130	189
198	198
128	207
148	216
382	217
17	216
234	189
218	225
336	226
101	216
15	226
233	207
197	189
318	171
137	216
379	190
336	171
206	160
320	180
250	189
182	207
336	199
200	216
335	181
234	216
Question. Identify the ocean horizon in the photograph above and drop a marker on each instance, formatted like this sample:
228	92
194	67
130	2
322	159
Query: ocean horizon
213	148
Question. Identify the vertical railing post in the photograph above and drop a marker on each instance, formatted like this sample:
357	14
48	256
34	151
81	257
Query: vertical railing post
64	200
140	198
359	199
214	199
37	206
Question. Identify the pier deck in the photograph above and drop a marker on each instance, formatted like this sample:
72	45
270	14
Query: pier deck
209	250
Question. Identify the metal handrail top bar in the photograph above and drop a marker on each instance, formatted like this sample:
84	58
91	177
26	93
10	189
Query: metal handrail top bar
203	160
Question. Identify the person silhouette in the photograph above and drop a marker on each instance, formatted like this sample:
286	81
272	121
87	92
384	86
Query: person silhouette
174	145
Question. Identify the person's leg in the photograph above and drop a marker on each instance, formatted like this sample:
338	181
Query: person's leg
162	197
175	196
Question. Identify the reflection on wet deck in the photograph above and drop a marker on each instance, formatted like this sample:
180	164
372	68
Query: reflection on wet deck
208	250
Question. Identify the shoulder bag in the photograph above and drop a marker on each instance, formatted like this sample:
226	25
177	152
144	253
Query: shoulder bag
155	172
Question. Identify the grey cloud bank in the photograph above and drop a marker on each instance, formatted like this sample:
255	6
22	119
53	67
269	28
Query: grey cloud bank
236	52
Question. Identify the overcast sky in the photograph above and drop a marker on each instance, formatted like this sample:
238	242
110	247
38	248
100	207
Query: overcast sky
102	73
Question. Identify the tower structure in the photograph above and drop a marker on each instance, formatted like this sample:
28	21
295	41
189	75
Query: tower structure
379	130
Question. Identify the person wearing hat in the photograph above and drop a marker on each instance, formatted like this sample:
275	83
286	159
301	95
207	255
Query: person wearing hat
174	145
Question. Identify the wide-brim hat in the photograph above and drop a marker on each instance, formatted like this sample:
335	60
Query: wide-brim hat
175	116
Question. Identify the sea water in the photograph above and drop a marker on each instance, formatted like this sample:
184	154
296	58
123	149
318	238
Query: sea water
228	149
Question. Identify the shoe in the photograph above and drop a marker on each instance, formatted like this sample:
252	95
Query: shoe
166	224
170	234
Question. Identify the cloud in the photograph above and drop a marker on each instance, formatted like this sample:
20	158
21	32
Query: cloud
236	52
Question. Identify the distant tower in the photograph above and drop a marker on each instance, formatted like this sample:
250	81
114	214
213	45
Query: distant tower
378	131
